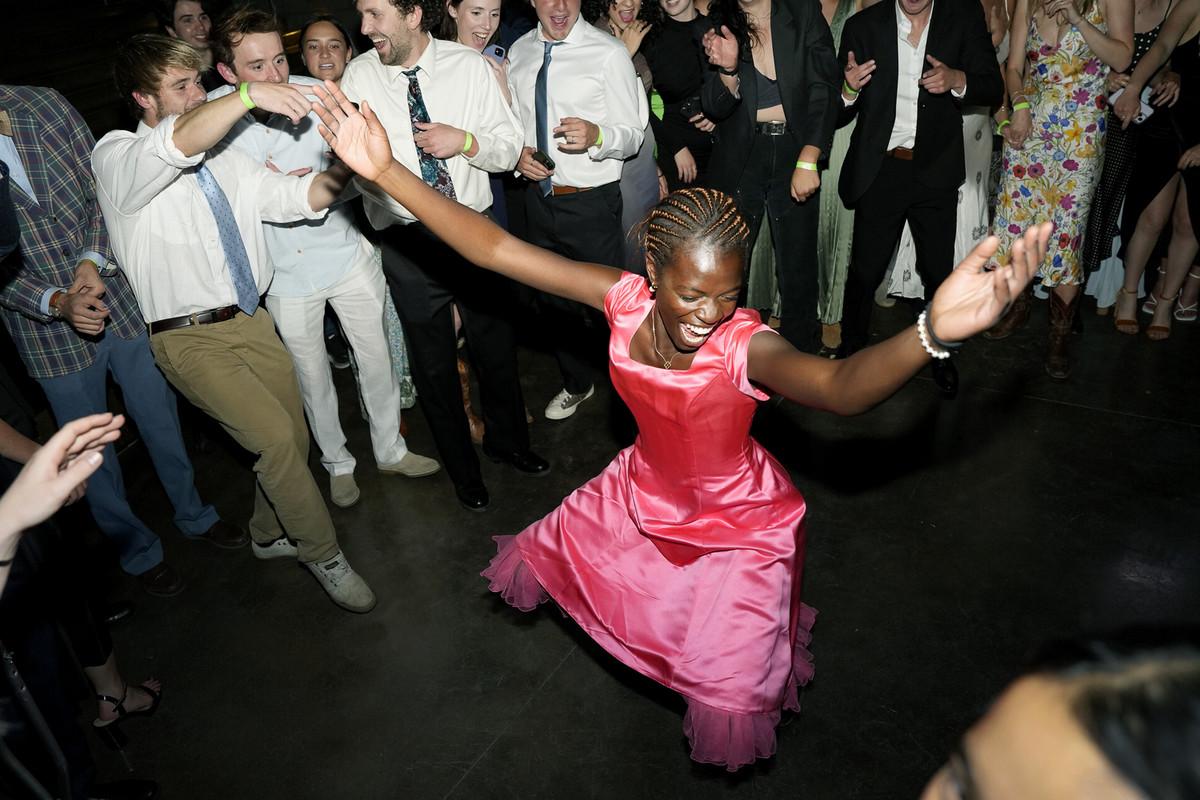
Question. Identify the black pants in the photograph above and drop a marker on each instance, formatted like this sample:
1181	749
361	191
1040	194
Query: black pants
425	276
766	188
585	226
896	196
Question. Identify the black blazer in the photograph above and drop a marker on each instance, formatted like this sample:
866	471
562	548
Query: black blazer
959	38
809	83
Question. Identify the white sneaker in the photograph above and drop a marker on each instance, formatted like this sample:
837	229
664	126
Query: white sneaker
411	466
343	585
343	491
280	548
564	403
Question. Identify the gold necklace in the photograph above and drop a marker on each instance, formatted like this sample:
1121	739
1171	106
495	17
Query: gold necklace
654	339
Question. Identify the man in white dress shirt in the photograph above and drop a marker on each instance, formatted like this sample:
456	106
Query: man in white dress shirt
448	122
316	261
582	105
185	220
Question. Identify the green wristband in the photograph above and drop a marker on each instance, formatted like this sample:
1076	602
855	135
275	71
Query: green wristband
848	89
470	140
808	165
1021	105
244	92
599	137
1000	125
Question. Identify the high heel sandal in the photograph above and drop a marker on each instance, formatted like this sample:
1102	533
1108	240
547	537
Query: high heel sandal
1159	333
108	729
1152	300
1127	325
1187	313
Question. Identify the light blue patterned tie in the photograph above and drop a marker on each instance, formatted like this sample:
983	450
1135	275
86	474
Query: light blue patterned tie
231	241
539	107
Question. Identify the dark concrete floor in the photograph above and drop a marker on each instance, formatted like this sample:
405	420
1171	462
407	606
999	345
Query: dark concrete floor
945	541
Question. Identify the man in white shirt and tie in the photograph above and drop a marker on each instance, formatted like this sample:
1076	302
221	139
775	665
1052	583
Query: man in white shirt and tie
316	261
447	122
584	111
185	219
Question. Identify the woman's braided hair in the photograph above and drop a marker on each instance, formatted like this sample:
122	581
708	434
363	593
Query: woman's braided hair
691	217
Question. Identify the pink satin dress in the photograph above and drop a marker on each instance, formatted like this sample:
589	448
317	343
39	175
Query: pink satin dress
683	557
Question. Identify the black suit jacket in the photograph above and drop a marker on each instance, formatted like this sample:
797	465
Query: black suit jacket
959	38
809	83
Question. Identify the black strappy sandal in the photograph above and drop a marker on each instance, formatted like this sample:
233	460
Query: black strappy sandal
107	729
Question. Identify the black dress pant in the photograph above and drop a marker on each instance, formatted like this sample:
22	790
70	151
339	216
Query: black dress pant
896	196
425	277
766	188
584	226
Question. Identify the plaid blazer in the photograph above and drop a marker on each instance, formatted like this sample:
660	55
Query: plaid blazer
56	150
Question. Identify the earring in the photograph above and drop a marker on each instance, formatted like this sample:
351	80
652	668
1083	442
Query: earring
653	288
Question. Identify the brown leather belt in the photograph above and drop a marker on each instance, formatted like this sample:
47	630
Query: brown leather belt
771	128
557	190
199	318
902	153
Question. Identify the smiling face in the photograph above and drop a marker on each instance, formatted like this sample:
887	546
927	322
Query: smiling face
325	51
191	24
557	17
680	10
623	12
257	57
179	91
476	20
698	289
394	36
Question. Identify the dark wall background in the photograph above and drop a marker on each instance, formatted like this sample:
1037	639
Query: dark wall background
67	45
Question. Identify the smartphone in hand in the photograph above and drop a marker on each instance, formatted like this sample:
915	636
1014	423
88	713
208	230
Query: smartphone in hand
690	108
543	159
495	52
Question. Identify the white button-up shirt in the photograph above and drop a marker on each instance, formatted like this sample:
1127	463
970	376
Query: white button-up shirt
309	255
459	89
162	228
590	77
910	65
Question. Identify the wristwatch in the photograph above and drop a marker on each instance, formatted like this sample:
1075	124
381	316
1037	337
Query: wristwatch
55	308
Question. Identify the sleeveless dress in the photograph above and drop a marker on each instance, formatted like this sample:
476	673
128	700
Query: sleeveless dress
682	558
1053	176
835	229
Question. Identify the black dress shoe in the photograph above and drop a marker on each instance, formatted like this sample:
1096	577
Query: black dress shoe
224	535
473	498
161	581
130	789
945	375
526	461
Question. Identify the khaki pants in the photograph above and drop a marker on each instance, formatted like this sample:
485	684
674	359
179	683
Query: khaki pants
238	373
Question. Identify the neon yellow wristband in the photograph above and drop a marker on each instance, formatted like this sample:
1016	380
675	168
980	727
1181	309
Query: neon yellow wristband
470	140
1020	105
848	89
244	93
599	137
808	165
1000	125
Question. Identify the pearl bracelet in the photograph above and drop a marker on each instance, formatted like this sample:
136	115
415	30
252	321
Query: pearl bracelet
923	332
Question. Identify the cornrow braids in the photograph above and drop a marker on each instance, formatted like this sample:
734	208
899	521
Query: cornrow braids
692	217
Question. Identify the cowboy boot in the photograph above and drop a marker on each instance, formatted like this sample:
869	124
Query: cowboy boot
473	421
1062	314
1013	320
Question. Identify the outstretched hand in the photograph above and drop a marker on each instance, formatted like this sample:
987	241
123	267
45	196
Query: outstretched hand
974	297
356	137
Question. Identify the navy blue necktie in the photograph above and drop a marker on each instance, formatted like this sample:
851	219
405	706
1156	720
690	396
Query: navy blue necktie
539	106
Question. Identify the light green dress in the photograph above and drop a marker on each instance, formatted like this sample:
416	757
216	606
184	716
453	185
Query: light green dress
835	231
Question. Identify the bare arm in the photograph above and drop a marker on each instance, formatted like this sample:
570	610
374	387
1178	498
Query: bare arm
201	128
361	142
1180	22
1114	47
328	186
971	300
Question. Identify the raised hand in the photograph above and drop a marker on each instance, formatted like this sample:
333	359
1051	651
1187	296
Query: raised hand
941	78
280	98
974	297
356	137
721	49
857	75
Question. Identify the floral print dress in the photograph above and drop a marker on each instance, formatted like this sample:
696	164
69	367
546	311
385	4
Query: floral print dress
1053	176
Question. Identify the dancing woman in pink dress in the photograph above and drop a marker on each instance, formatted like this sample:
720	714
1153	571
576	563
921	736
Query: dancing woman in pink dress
683	557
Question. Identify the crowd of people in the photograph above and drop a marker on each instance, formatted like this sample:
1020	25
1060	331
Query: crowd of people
604	168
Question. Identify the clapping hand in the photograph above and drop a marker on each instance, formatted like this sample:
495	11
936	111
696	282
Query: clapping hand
356	137
974	297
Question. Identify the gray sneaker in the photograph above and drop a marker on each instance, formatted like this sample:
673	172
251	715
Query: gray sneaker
564	403
411	466
343	585
343	491
280	548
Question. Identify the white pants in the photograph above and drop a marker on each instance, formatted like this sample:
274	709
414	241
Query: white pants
357	299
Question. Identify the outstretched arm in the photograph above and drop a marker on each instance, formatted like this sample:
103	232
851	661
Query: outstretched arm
360	141
969	301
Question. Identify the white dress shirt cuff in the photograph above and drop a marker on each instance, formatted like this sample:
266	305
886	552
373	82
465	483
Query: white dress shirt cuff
44	306
102	265
163	137
959	94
